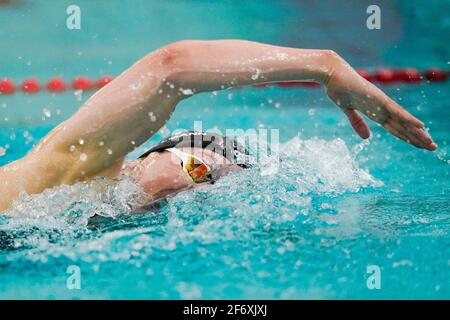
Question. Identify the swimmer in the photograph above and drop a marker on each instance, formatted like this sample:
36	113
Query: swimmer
129	110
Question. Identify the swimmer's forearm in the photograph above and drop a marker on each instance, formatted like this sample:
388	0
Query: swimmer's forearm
214	65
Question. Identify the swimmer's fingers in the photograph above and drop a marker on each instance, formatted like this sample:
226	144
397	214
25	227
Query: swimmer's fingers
399	134
411	134
357	123
409	127
399	114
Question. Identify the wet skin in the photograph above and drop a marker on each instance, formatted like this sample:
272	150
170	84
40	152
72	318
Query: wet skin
96	139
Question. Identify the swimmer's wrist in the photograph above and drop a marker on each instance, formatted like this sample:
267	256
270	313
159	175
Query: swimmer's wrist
328	59
316	65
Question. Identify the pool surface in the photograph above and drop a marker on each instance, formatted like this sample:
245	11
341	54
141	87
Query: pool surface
308	230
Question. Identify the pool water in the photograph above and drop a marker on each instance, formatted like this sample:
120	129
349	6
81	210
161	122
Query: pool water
310	229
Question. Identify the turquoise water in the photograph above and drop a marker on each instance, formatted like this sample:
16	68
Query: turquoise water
335	206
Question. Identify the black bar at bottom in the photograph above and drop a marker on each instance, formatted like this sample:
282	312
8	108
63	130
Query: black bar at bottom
229	309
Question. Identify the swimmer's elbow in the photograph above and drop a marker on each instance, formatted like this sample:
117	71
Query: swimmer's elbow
330	57
181	57
330	54
330	60
174	57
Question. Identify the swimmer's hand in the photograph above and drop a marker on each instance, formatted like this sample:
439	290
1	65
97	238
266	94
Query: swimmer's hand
352	93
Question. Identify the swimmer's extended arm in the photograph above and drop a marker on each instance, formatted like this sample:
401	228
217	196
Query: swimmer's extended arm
207	66
129	110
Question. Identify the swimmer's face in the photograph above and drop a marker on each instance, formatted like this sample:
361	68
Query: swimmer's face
161	173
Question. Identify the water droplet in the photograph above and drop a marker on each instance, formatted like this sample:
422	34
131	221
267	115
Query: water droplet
80	141
47	112
152	116
136	85
186	92
83	157
109	151
255	76
78	94
164	131
72	148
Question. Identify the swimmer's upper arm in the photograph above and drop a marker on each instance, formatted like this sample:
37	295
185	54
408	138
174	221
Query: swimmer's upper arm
115	120
31	174
38	171
96	139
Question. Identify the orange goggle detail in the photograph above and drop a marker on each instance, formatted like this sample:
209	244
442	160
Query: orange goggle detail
193	166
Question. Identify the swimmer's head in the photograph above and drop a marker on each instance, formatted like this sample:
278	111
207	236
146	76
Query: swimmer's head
189	159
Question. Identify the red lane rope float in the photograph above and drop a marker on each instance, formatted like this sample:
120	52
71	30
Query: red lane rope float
381	76
103	81
56	84
30	86
6	86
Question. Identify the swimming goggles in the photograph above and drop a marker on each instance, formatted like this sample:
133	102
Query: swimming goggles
197	170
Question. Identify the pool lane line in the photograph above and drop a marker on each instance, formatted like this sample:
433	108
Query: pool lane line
382	76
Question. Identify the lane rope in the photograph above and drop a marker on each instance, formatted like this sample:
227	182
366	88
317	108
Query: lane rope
59	85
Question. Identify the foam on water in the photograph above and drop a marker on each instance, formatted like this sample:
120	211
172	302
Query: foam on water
237	207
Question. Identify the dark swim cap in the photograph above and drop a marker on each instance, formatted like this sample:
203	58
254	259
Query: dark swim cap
225	146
